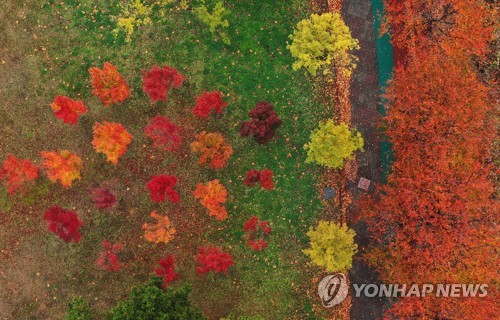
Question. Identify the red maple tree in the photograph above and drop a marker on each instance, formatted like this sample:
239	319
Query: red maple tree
157	81
263	177
68	109
108	260
207	102
213	259
256	232
165	135
264	121
17	173
167	270
64	223
162	186
108	84
103	198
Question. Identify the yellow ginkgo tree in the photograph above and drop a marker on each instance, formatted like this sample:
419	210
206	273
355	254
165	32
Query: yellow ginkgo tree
331	144
134	14
321	40
332	246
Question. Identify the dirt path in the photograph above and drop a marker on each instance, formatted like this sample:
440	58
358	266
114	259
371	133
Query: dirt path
363	113
364	116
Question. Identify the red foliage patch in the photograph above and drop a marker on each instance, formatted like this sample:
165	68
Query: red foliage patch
257	244
263	177
165	135
64	223
213	259
108	84
208	101
255	232
157	81
160	187
167	270
103	198
109	259
252	177
16	172
68	109
264	121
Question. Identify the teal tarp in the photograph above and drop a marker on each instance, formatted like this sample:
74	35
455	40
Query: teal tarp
385	59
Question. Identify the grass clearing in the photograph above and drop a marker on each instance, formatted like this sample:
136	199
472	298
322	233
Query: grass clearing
48	52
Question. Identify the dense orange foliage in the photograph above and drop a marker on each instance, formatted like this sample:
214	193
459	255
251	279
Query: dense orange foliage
17	172
108	84
111	139
214	150
162	231
453	25
212	197
68	109
64	166
434	222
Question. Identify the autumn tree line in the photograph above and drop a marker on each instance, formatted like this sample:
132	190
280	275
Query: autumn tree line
434	220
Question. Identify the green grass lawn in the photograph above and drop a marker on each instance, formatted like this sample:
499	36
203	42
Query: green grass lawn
49	46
